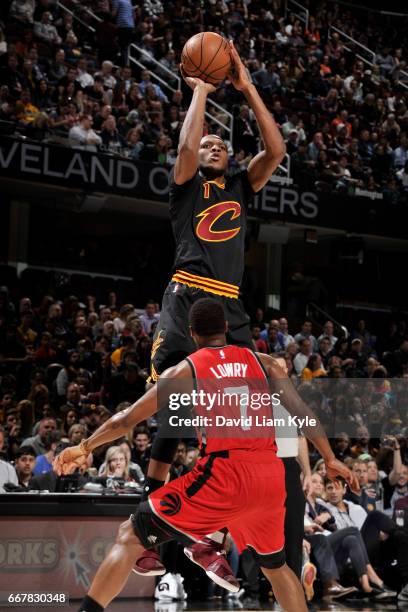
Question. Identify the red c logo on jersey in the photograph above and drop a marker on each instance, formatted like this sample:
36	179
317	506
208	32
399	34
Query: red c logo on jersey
210	215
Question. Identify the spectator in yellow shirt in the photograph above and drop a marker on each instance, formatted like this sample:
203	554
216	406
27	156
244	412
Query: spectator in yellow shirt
27	335
314	368
25	111
127	343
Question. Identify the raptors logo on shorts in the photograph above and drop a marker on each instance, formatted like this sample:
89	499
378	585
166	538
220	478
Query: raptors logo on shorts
170	504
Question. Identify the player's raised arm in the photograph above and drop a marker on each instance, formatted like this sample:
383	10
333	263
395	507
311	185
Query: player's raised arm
312	428
119	424
192	130
264	164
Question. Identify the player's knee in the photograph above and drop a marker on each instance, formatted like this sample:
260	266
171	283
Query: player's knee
126	535
272	572
272	561
149	528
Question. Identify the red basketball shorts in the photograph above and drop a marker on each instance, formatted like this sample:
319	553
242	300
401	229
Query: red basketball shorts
243	491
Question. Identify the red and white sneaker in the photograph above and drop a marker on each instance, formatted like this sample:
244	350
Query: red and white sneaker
149	564
211	557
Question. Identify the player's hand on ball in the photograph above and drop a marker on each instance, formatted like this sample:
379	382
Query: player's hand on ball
239	75
70	459
194	82
335	468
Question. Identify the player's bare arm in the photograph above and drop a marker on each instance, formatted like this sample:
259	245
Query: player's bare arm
191	133
280	383
119	424
264	164
304	462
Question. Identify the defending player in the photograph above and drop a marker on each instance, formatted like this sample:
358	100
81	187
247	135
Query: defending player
238	483
208	215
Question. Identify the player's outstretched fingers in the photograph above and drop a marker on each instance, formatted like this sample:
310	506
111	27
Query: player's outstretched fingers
234	53
354	484
56	466
68	468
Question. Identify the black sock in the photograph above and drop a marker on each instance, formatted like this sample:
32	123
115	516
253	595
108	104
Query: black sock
150	485
90	605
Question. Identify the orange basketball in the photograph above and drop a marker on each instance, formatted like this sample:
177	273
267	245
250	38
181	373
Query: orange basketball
207	56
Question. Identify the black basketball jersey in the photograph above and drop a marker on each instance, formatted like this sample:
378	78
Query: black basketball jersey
209	223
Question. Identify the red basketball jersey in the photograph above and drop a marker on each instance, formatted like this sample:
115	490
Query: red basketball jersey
234	400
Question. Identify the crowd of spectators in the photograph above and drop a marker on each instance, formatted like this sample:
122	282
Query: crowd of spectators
344	120
361	378
67	365
356	385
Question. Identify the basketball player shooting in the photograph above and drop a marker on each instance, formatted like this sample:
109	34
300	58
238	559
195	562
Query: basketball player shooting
208	213
239	483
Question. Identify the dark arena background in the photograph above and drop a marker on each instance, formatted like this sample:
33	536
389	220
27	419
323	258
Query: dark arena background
91	107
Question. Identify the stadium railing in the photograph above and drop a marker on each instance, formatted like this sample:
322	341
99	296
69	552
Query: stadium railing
83	23
297	9
92	14
363	53
312	309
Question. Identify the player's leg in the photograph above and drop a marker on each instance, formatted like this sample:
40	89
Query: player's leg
199	504
294	516
210	554
261	528
171	344
263	535
148	563
161	519
162	454
114	571
287	588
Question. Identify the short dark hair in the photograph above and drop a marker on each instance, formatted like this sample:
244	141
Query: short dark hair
207	317
141	429
25	450
340	479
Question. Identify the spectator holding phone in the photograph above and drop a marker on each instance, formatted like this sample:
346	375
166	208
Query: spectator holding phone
318	524
365	531
395	485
